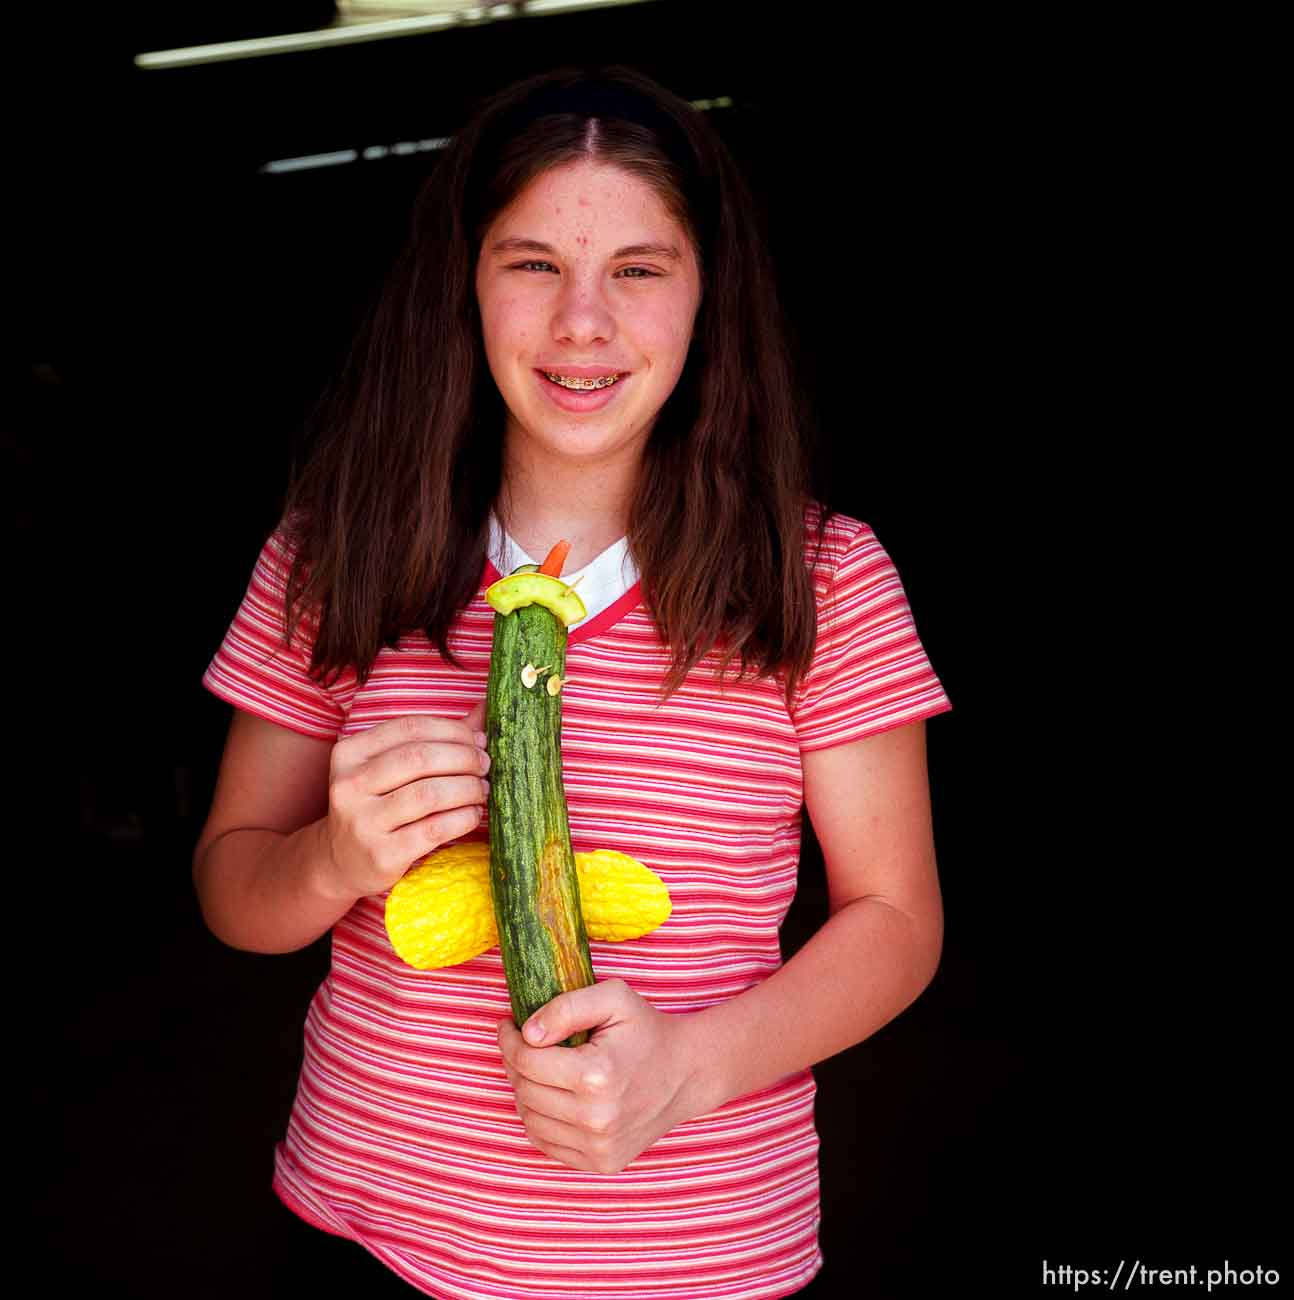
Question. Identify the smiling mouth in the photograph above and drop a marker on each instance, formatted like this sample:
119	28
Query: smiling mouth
577	385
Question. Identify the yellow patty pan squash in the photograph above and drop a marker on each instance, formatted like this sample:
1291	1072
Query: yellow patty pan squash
441	913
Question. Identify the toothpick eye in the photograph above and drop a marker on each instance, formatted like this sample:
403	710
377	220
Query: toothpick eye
530	675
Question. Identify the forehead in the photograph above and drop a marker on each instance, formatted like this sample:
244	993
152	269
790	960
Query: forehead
589	199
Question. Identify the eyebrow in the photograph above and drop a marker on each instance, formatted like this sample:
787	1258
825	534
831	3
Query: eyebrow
518	245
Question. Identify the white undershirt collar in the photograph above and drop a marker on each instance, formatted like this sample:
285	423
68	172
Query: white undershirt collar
605	578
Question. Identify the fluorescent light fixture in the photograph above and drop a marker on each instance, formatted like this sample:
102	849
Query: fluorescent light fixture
339	157
309	161
429	17
376	152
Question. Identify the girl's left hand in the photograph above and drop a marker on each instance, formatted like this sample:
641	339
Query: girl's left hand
596	1106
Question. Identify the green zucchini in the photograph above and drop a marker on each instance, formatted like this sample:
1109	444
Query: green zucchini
533	879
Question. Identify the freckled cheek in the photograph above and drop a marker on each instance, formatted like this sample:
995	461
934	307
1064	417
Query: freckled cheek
669	346
508	327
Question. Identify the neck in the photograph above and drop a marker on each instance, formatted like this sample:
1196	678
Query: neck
587	506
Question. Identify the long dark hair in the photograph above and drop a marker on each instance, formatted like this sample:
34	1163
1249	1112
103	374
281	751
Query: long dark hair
388	516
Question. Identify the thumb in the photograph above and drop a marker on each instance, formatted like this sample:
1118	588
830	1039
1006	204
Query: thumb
475	717
569	1013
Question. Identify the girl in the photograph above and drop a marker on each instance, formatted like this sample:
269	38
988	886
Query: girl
580	341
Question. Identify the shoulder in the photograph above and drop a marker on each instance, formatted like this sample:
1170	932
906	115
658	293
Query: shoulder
830	538
279	554
278	591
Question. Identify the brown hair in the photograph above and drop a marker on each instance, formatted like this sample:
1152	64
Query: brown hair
389	515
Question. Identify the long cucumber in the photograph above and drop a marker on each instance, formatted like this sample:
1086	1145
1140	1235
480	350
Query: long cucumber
533	878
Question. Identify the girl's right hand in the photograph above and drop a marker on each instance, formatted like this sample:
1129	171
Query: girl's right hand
399	791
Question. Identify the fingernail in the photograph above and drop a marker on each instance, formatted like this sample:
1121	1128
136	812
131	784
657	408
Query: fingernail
485	761
534	1031
485	787
480	740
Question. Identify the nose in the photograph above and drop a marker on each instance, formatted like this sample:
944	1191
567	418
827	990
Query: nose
581	313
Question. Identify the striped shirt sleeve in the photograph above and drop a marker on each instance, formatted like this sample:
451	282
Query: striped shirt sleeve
256	670
870	671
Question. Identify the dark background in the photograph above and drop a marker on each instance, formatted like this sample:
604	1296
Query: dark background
960	214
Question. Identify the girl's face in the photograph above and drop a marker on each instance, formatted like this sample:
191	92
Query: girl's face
586	274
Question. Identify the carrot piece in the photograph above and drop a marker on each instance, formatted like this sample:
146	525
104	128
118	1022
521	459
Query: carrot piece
556	558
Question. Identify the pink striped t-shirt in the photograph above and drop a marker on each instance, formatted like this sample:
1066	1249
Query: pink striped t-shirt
403	1135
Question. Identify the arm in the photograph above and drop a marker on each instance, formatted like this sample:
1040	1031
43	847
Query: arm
643	1072
300	829
258	864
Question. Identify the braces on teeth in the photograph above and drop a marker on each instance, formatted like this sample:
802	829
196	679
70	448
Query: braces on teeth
604	381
